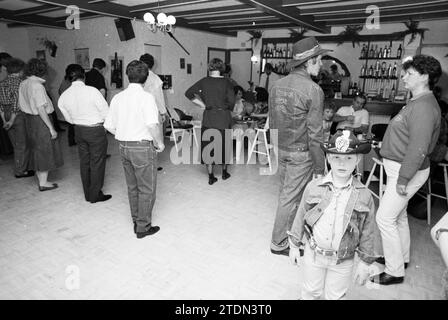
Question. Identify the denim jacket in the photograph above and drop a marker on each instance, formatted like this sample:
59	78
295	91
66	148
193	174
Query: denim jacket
296	111
359	219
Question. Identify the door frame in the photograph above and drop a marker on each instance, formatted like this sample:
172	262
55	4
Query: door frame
227	56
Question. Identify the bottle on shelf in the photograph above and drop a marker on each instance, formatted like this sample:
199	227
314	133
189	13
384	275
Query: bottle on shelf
376	51
392	93
355	88
389	52
371	52
370	74
363	51
380	53
399	52
363	71
395	71
389	71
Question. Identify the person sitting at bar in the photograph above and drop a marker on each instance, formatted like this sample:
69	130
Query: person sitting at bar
328	119
353	117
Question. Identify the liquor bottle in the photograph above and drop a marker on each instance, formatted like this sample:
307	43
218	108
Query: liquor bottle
386	90
383	69
392	93
375	52
380	53
355	89
289	53
399	52
371	71
389	71
371	52
389	52
363	71
395	71
363	51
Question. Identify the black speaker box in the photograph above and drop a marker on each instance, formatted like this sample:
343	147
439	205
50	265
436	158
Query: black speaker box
124	28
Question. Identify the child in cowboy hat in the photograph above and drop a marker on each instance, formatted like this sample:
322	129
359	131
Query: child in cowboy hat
337	217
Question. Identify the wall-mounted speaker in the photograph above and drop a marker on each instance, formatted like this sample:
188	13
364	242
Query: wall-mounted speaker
124	28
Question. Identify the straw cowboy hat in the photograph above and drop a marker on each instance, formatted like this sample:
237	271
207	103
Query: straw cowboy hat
304	50
345	142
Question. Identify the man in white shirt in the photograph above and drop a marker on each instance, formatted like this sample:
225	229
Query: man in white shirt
268	78
85	108
353	116
133	119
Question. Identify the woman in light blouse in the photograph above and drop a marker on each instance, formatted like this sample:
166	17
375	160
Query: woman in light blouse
34	102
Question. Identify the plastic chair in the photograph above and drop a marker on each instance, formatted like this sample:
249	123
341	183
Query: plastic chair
179	128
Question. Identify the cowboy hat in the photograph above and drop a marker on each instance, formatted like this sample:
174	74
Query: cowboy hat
345	142
304	50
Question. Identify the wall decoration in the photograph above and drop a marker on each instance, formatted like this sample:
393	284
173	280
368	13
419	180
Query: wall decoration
297	35
413	30
49	45
351	33
182	63
116	72
40	54
167	81
188	68
82	58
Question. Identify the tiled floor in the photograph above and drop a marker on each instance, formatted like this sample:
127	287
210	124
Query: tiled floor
213	243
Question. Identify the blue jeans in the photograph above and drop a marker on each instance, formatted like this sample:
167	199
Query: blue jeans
296	170
139	160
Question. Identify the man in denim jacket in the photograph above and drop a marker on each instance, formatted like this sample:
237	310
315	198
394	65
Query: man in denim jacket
296	112
337	217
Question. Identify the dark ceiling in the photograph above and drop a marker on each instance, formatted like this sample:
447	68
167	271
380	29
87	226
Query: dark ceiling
228	16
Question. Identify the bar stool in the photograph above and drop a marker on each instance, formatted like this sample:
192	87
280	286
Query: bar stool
266	144
379	163
428	194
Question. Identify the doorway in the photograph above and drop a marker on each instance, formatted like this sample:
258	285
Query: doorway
239	61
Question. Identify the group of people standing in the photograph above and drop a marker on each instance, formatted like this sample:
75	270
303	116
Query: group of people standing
135	116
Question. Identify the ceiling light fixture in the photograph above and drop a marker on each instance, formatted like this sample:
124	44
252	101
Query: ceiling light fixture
164	23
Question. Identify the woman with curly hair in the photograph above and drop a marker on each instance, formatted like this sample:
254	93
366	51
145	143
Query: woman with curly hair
214	94
34	102
409	139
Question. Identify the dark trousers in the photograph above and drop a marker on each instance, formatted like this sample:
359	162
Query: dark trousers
92	147
139	160
71	134
18	136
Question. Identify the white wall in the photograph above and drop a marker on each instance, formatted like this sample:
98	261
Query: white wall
15	41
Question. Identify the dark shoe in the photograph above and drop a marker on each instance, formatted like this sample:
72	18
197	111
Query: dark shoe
108	156
55	185
212	179
28	173
149	232
381	260
386	279
225	175
284	252
102	198
159	169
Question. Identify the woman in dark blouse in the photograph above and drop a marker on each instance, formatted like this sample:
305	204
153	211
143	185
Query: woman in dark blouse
409	140
214	94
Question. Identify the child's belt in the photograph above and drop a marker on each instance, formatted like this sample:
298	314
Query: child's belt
315	247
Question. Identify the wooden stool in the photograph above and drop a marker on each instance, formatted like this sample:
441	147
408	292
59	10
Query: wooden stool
379	163
256	142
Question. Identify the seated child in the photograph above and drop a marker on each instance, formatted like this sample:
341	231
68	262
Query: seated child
337	216
328	119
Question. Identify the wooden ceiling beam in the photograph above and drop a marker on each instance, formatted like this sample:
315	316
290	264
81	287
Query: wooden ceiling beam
402	4
287	14
384	13
9	16
392	19
166	4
